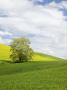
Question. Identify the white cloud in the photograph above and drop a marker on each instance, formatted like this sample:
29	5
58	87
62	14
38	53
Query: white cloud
64	4
1	40
2	33
45	23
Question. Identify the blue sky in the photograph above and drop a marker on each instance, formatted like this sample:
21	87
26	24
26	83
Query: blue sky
44	22
44	2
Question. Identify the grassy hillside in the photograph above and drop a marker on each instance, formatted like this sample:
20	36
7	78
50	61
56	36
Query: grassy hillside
44	57
37	75
5	54
34	76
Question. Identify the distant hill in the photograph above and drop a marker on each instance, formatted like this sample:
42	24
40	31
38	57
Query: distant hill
44	57
5	54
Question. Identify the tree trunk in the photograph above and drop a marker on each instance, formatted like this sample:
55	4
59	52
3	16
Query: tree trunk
20	59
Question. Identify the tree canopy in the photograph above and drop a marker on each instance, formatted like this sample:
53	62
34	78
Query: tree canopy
21	50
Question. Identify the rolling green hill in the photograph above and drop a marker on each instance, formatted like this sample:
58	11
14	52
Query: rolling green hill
50	75
5	54
37	75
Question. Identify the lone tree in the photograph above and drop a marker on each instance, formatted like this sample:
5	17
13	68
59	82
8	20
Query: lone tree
21	50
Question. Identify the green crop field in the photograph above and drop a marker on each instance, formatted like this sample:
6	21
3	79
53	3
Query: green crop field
44	72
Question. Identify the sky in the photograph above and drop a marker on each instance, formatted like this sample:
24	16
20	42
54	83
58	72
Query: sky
44	22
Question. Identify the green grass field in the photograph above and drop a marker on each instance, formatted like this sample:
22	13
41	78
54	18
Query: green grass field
34	76
44	72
